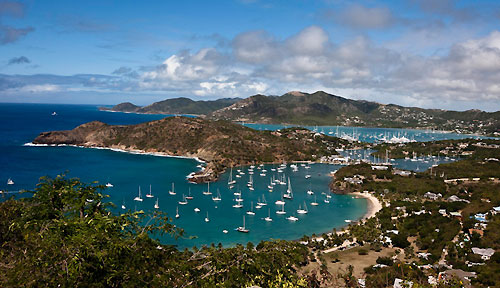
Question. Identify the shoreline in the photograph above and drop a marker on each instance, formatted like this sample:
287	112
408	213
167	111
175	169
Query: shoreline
131	151
373	204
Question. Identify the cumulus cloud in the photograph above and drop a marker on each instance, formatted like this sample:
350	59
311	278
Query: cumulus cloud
19	60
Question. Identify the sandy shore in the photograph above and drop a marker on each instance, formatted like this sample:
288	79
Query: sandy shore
373	206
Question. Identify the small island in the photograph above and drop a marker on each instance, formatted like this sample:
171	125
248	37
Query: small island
221	144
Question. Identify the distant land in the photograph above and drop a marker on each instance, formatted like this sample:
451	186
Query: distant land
222	144
321	108
175	106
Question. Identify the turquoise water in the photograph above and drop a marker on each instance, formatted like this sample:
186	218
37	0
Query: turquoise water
21	123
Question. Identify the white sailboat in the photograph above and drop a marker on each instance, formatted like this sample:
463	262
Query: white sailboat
250	212
264	202
289	193
197	209
217	198
208	190
268	218
10	182
282	211
302	211
172	192
184	201
123	205
189	197
310	191
206	218
177	212
243	229
156	204
292	218
109	185
280	202
149	195
238	203
231	181
139	197
315	203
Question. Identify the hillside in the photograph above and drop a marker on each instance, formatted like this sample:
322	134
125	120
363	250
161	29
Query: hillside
176	106
321	108
221	144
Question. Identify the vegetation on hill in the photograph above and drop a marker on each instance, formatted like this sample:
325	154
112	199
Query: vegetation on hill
179	105
221	144
321	108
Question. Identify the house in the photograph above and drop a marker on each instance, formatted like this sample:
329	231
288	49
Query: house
401	172
484	253
455	198
432	196
456	215
379	167
400	283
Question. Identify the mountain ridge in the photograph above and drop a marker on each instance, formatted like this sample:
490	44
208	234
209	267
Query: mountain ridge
321	108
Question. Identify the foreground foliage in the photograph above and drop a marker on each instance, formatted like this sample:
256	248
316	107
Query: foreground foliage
65	235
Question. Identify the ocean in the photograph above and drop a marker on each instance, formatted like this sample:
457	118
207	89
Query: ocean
21	123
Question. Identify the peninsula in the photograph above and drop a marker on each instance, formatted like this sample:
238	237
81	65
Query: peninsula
221	144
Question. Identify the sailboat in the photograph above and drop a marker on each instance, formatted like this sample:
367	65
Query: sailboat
177	212
109	185
10	182
172	192
123	205
280	202
292	218
196	209
54	113
238	203
156	204
184	201
314	203
217	198
264	202
289	193
206	218
242	228
139	197
268	218
327	200
302	211
282	211
250	212
189	197
208	190
149	195
231	181
310	191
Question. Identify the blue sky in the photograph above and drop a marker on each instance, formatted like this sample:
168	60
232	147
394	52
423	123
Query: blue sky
428	53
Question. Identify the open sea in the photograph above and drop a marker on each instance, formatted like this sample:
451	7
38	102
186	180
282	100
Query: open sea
21	123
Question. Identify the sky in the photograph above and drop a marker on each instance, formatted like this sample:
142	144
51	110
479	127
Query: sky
428	53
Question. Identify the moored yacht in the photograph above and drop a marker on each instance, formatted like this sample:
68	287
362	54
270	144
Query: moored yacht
139	197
